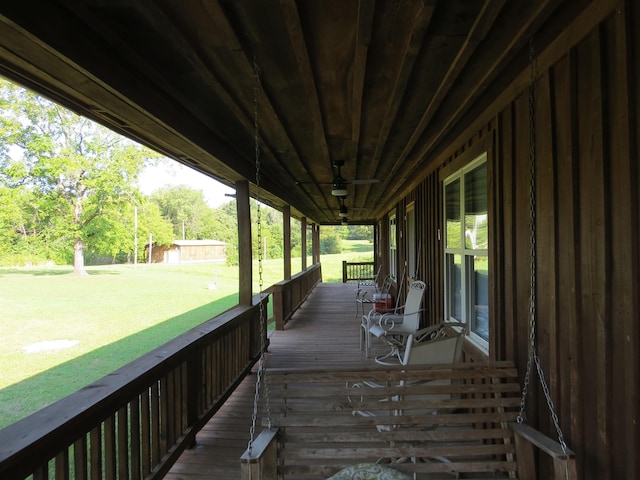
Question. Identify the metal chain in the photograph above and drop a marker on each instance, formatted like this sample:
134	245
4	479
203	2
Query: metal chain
260	376
532	355
547	395
532	229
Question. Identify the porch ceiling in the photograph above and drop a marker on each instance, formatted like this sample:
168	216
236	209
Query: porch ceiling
382	85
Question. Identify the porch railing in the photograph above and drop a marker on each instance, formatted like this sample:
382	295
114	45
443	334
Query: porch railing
358	271
135	422
288	295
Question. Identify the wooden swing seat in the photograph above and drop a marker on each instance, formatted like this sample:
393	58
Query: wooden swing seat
419	424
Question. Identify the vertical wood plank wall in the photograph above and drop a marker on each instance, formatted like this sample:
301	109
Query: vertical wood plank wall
588	242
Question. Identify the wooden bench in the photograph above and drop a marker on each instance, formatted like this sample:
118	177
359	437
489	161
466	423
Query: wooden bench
417	421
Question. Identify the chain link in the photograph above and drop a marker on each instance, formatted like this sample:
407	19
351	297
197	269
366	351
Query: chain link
532	354
261	384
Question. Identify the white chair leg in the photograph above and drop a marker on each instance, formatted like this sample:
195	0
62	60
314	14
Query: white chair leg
393	353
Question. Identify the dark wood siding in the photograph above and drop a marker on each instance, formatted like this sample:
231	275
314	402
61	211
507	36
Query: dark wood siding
587	105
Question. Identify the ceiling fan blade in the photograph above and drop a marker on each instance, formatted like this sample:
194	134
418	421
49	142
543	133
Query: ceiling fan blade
363	181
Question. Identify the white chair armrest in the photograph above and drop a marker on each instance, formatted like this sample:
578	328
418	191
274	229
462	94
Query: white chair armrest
389	320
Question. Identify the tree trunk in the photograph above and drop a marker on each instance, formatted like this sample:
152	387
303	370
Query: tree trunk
78	258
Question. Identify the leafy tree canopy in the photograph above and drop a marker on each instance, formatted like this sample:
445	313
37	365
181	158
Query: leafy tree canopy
77	171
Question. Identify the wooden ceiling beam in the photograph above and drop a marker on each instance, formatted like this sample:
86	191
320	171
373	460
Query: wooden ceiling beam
242	107
409	54
299	47
231	89
366	10
92	81
481	27
498	51
162	21
507	42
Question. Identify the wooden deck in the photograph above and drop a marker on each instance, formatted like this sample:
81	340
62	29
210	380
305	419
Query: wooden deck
324	331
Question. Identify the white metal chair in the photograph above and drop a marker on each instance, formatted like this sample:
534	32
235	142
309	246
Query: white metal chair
435	345
363	299
395	326
368	284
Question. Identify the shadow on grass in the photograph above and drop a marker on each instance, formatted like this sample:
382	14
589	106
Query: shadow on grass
360	248
42	272
36	272
19	400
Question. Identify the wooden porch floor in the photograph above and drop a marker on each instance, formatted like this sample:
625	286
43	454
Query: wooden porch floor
323	332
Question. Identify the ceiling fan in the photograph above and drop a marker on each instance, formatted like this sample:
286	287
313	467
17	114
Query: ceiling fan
339	184
343	211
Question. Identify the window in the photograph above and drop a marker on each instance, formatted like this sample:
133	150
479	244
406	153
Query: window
393	247
466	249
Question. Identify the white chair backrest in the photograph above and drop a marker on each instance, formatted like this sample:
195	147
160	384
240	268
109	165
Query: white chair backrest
433	352
386	284
411	319
441	350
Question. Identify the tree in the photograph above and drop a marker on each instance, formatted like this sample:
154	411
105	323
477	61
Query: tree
331	239
79	170
360	232
187	211
115	232
225	226
16	220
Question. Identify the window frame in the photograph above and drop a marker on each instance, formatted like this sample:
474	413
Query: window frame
467	255
393	245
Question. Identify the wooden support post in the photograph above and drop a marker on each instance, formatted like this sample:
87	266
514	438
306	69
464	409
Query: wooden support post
261	462
315	243
286	233
244	243
376	257
303	246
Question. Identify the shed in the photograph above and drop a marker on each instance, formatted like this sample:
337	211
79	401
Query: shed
190	251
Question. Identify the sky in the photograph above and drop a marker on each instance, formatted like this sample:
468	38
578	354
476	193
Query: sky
170	172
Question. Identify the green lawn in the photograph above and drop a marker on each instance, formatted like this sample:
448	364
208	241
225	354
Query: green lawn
60	332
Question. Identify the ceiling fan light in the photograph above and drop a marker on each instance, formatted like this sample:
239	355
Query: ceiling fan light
339	189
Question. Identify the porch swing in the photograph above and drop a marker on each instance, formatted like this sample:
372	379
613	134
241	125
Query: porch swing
471	424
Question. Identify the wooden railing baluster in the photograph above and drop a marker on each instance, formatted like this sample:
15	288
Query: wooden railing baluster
62	465
145	435
80	459
95	455
134	413
358	272
110	458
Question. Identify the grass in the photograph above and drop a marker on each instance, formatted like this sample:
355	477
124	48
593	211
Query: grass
109	318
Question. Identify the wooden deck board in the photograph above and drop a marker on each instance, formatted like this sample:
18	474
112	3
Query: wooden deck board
324	331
